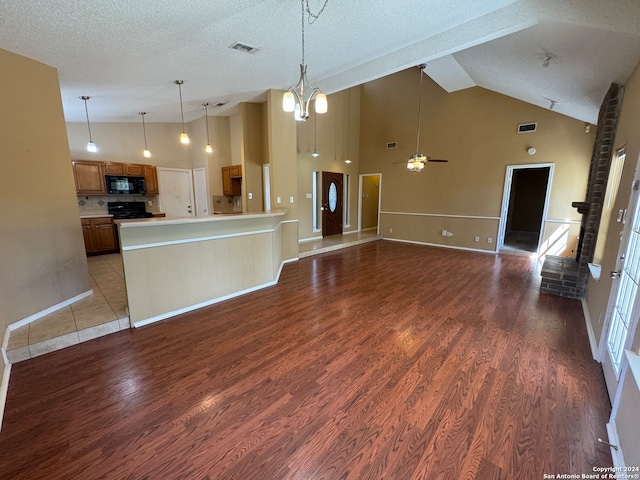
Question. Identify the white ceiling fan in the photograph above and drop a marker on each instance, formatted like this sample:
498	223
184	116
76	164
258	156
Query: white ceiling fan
417	160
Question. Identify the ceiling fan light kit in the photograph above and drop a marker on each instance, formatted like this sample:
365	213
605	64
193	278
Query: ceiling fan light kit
416	162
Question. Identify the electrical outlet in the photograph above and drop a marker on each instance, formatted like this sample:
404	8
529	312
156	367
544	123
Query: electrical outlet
444	233
489	240
290	199
278	199
309	195
476	238
391	230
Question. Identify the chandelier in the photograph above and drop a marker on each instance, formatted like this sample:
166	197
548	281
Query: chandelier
294	99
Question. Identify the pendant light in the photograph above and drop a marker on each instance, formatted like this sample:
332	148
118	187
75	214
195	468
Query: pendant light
348	160
208	147
146	153
315	153
91	146
294	100
184	138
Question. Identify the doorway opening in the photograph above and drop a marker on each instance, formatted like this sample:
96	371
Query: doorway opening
524	207
369	202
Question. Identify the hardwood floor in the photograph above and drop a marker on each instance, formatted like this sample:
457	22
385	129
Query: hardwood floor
381	361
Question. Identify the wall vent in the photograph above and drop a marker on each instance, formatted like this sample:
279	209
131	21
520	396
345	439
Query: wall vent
391	145
243	47
527	127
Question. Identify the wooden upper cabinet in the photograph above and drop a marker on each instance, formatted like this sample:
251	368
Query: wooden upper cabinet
232	180
133	169
151	179
112	168
235	171
127	169
89	177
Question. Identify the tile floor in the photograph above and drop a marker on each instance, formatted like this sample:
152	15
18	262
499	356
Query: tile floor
335	242
105	311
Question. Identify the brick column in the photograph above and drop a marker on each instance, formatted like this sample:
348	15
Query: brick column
598	177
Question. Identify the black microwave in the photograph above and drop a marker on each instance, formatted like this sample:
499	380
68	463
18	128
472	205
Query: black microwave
125	185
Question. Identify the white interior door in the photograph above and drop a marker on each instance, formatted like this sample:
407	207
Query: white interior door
201	192
624	302
176	191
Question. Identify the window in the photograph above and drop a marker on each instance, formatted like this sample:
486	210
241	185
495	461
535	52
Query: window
316	200
345	200
615	172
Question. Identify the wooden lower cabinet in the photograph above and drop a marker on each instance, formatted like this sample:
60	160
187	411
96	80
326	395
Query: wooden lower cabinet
99	235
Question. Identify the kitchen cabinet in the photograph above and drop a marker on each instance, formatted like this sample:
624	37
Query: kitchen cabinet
89	177
151	179
133	169
232	180
113	168
99	235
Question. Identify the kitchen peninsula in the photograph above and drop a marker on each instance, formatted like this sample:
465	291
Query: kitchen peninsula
174	265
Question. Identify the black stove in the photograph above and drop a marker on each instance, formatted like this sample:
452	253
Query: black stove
123	210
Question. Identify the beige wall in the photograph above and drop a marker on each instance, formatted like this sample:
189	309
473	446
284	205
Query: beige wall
253	129
281	149
43	258
332	146
474	129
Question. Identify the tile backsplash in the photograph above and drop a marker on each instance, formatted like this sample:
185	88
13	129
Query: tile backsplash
98	203
225	204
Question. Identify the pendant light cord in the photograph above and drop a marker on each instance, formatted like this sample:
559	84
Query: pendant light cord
144	130
312	18
179	82
206	119
348	123
419	111
86	110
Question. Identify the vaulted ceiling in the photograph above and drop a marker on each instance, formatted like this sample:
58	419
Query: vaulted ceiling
126	54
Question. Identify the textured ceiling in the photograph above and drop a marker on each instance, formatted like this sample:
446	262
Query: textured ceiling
126	54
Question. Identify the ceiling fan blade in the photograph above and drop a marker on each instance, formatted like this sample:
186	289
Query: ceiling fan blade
439	160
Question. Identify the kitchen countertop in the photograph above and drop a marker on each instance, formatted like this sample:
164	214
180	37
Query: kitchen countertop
159	221
89	214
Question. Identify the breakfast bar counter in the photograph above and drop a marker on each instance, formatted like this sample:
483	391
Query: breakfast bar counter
174	265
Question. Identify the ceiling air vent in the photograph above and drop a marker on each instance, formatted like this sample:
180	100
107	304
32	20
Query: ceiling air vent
243	47
219	104
527	127
391	145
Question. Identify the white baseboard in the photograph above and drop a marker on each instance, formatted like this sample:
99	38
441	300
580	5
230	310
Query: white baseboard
47	311
616	455
4	388
590	332
452	247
